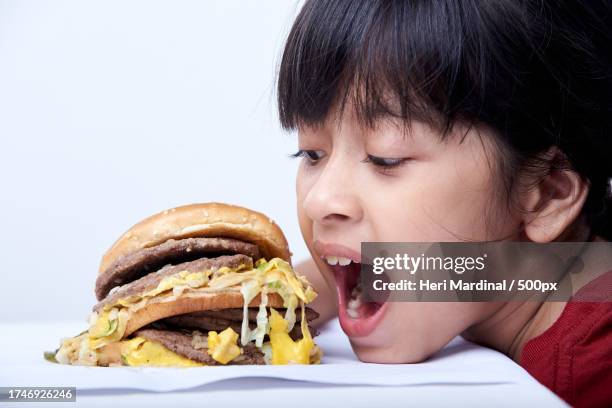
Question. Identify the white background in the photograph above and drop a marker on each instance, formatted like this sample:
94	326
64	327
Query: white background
111	111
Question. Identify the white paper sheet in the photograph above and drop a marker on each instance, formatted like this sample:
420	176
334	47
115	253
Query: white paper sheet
22	364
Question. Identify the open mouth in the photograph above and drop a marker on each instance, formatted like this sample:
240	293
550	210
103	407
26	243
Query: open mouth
358	317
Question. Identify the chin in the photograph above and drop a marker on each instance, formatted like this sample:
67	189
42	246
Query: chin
392	354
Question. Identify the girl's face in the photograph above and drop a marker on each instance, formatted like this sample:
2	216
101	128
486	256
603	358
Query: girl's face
387	184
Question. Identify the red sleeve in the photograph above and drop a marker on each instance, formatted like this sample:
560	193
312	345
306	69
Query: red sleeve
574	356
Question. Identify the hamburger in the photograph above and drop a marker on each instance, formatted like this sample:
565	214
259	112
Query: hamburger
203	284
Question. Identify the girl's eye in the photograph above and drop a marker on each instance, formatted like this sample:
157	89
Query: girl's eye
385	164
311	156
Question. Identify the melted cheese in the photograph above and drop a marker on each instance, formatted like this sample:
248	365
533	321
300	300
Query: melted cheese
107	327
284	349
141	352
223	346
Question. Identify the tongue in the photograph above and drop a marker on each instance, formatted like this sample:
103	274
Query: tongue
368	309
365	310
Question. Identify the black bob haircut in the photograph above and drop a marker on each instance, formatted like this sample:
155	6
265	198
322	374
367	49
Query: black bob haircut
537	72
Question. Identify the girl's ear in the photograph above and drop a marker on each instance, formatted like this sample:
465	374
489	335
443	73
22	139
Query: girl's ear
553	204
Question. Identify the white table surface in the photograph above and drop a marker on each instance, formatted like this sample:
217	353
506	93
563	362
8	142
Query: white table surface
463	379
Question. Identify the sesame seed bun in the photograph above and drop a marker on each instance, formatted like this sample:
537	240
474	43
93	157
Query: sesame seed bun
202	220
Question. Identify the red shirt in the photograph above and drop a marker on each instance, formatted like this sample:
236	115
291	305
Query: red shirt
574	356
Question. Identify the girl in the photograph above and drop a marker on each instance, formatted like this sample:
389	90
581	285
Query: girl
456	120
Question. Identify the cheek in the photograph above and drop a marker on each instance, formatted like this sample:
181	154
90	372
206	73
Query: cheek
423	209
302	186
448	199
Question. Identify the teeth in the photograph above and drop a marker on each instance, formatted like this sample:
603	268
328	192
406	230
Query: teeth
354	303
343	261
352	308
337	260
332	260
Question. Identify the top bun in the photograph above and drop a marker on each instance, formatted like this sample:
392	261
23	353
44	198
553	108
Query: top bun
202	220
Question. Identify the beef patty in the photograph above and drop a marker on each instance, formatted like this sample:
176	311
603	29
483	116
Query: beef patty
221	319
146	260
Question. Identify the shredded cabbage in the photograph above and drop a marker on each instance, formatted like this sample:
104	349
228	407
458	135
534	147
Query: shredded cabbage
290	313
262	319
250	289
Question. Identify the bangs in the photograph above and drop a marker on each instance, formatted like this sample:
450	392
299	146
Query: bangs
538	74
399	59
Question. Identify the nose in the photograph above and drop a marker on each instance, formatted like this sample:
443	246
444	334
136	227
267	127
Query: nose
334	196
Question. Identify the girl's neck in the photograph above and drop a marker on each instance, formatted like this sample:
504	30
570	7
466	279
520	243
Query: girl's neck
511	325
